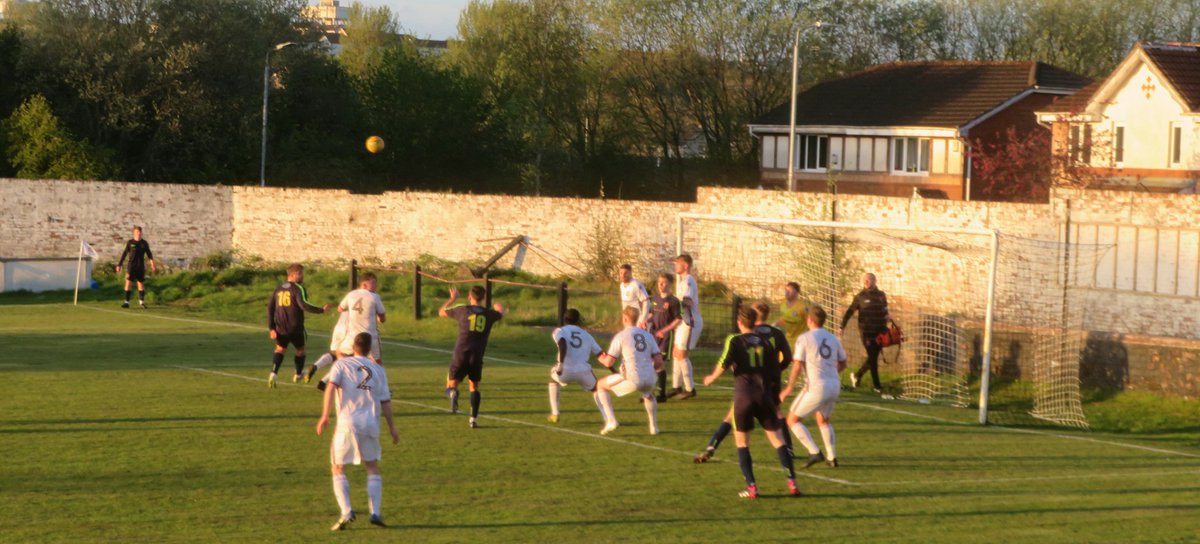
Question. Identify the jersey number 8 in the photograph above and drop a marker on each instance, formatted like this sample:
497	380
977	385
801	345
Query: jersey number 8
639	342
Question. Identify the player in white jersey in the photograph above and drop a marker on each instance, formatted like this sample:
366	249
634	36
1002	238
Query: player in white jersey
687	335
640	361
359	311
633	294
820	355
575	347
359	387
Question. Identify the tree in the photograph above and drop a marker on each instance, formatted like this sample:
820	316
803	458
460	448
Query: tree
40	148
370	32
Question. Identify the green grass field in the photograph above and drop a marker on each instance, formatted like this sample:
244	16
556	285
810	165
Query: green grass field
157	426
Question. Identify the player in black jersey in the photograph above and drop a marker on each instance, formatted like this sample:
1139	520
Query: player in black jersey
664	319
474	326
773	378
751	357
138	251
285	319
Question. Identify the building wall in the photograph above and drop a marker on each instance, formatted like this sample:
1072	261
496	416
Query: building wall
994	131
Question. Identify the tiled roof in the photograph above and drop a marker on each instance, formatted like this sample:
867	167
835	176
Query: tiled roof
1179	63
928	94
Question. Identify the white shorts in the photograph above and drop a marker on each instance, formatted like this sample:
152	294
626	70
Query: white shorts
688	337
621	386
347	346
351	448
810	401
583	377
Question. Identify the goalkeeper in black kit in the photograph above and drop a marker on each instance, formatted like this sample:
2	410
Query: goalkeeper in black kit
285	319
138	252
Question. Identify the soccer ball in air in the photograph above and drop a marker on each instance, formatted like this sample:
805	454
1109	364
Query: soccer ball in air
374	144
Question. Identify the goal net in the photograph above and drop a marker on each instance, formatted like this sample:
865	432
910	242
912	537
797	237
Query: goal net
940	291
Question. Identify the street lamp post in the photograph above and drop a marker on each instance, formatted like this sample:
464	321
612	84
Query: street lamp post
262	170
791	164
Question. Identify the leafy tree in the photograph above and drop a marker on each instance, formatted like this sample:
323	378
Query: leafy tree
40	148
370	32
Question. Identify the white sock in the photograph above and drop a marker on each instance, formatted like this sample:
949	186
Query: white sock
827	436
606	407
325	360
375	492
553	398
600	406
805	439
688	383
652	410
676	373
341	491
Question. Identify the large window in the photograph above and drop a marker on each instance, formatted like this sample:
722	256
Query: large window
812	152
910	155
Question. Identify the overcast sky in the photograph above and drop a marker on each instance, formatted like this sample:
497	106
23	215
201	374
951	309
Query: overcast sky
435	19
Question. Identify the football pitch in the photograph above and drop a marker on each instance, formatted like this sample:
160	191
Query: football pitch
157	426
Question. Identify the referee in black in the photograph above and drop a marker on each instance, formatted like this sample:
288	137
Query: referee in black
138	251
872	307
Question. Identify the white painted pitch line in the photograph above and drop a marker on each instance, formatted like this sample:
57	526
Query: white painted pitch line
1100	476
870	406
1030	431
519	422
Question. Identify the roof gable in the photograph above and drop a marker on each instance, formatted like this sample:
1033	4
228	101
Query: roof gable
920	94
1178	65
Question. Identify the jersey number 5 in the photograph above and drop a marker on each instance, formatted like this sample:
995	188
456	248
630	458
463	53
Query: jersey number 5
477	322
576	341
283	298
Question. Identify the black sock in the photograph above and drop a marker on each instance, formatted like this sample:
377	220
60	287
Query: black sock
474	403
722	432
785	459
127	291
747	465
299	360
276	360
662	383
787	437
141	296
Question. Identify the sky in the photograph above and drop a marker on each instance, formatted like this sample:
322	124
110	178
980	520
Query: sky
434	19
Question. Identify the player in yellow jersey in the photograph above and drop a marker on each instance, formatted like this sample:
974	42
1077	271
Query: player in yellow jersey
793	318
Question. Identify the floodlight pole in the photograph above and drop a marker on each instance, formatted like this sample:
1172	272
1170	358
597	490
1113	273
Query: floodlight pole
791	163
262	169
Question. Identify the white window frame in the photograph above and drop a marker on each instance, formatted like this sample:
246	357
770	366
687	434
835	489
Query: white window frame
802	142
899	153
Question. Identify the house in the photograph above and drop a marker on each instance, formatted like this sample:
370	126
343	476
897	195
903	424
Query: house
897	127
1138	127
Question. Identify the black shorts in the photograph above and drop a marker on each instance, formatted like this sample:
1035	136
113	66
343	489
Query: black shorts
467	366
136	274
748	408
295	338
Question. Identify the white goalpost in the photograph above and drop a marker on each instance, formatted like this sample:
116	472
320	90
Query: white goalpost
968	300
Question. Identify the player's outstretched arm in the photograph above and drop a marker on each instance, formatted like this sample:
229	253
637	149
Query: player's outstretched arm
658	362
453	297
793	379
500	309
716	373
321	423
386	407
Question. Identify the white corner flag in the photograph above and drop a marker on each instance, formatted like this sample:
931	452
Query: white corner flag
85	250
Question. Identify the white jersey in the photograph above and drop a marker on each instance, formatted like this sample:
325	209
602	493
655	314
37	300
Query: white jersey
364	307
580	347
820	350
633	295
636	348
339	332
685	286
362	386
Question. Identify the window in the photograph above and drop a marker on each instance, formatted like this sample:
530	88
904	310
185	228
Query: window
1176	144
768	151
910	155
812	152
1081	144
1119	144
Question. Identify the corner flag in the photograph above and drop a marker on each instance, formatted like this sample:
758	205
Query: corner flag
85	250
88	251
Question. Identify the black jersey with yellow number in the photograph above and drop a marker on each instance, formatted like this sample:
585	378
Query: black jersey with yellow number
779	342
285	310
753	360
474	327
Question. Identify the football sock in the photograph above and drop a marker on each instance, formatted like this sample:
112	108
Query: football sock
676	373
554	398
662	382
299	360
785	459
722	431
806	439
652	410
474	404
787	439
375	492
827	436
606	408
276	361
141	296
600	406
341	491
127	291
325	360
688	383
747	465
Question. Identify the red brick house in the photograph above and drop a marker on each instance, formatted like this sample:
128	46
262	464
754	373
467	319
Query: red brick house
897	127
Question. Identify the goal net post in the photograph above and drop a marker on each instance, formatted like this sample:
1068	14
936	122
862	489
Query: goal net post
961	296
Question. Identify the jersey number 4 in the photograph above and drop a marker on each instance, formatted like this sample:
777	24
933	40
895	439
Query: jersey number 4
477	322
283	298
357	306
